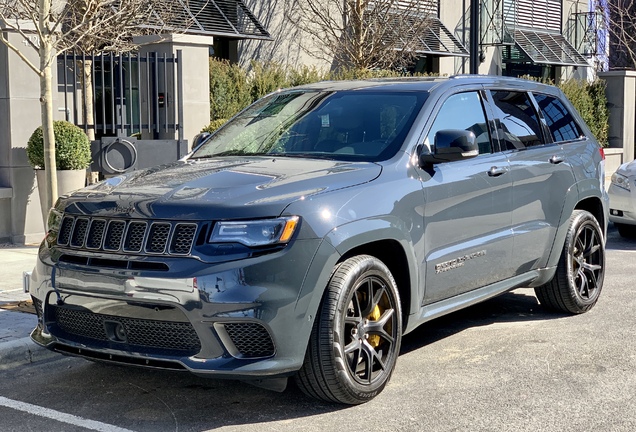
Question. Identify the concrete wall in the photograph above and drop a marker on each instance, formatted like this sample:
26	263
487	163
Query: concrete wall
621	94
285	48
20	214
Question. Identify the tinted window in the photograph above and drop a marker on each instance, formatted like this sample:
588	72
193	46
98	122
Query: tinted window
519	124
559	120
463	111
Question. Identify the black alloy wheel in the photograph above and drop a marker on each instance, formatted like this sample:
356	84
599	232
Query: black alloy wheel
578	281
356	338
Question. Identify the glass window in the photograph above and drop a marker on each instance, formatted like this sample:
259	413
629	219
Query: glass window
559	120
463	111
363	125
519	124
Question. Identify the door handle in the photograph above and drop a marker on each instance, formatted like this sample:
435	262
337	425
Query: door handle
497	171
556	159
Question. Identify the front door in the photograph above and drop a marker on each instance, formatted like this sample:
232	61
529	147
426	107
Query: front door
467	219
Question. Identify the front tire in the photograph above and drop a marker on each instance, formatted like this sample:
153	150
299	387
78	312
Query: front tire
577	284
356	338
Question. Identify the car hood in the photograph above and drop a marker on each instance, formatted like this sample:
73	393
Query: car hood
627	169
221	188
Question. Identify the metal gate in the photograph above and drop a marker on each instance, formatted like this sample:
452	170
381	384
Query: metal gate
132	94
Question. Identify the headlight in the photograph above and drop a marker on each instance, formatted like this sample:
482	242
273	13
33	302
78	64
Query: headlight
256	232
54	220
620	181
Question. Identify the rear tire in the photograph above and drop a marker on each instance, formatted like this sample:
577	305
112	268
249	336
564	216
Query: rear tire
626	231
577	284
356	337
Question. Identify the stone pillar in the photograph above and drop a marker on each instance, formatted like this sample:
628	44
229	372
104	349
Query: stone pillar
195	79
20	215
621	97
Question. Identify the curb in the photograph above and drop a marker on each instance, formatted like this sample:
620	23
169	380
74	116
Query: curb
20	352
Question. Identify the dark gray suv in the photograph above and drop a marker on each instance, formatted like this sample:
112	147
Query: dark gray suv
322	223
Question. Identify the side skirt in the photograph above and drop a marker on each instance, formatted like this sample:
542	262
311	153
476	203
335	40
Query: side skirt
444	307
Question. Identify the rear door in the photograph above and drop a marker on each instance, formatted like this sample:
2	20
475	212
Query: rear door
467	219
541	176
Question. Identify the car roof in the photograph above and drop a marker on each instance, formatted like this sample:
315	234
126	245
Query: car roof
427	83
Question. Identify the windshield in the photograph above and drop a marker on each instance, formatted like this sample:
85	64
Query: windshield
362	125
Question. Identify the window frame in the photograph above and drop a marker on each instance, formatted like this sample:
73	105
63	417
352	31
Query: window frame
486	107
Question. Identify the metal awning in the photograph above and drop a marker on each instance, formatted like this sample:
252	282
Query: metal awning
228	18
545	48
435	38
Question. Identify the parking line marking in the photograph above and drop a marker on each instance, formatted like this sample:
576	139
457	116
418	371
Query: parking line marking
60	416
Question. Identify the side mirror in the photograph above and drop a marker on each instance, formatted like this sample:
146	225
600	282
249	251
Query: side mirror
451	145
199	139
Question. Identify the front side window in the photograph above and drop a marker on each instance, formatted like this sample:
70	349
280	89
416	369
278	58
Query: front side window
519	123
361	125
560	122
463	111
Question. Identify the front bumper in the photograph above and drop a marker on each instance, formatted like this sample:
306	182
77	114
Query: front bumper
243	319
622	204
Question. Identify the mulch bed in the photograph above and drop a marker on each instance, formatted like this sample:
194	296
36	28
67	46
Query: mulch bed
25	306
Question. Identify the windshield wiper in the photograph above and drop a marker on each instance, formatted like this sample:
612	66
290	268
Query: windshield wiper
234	152
328	156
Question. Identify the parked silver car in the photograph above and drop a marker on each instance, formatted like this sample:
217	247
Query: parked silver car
318	226
622	194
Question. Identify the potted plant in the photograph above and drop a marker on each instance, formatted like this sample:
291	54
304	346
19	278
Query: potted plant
72	157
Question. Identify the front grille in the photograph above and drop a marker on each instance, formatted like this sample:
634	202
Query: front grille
167	335
129	236
251	340
37	304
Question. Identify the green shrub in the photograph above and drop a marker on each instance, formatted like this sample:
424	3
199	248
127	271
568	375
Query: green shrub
214	125
350	74
229	89
590	101
266	78
305	75
72	148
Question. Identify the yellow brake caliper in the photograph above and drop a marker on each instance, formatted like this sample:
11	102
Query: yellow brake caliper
375	315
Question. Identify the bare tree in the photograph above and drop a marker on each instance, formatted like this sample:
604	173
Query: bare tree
362	34
64	25
620	18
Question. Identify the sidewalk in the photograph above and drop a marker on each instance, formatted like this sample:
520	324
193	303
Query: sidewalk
17	316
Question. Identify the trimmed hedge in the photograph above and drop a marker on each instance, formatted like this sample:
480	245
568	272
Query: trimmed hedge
72	147
589	100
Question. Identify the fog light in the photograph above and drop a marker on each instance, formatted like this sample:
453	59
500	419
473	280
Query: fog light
115	331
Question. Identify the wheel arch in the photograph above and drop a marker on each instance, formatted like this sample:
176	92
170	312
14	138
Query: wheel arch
592	204
392	254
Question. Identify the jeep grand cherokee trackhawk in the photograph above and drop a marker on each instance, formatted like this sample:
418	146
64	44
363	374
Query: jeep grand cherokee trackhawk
321	224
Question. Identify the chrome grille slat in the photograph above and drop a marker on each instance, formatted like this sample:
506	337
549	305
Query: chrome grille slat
158	237
183	238
96	234
114	235
129	236
135	236
80	229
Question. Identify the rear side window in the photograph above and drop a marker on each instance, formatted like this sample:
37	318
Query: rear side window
561	123
519	123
